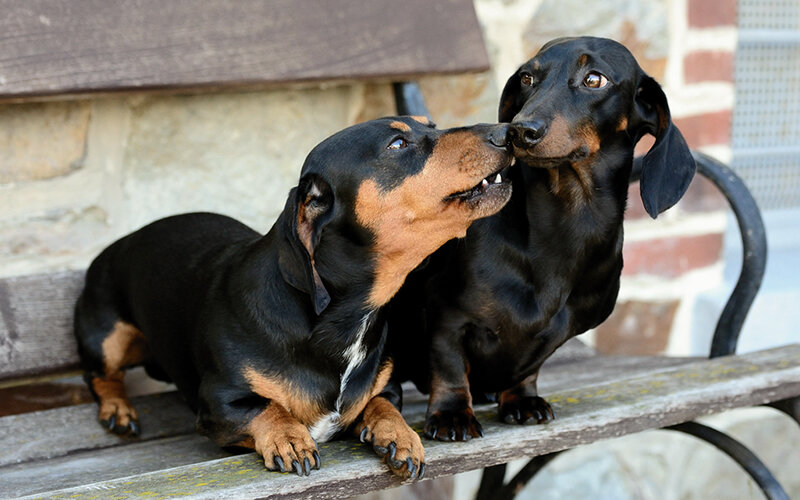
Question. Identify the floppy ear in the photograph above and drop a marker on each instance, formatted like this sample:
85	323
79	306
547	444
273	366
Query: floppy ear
509	99
668	168
308	210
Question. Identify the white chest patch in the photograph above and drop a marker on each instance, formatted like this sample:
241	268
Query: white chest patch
355	353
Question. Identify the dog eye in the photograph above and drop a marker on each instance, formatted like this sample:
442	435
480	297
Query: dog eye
398	143
595	80
526	79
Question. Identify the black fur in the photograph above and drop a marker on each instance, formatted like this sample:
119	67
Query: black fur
493	306
212	296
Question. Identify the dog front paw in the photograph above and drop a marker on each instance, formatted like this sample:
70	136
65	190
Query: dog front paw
392	439
283	442
525	410
453	425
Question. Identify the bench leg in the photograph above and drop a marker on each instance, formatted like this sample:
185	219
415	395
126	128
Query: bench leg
492	486
789	406
737	451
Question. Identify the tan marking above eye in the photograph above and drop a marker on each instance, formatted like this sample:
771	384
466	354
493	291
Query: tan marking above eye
397	125
421	119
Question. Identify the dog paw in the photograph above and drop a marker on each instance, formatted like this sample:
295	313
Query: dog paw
288	447
392	439
526	410
449	425
117	415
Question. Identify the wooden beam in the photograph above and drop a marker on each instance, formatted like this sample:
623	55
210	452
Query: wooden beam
51	47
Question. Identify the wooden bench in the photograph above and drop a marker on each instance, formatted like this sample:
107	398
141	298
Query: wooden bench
199	46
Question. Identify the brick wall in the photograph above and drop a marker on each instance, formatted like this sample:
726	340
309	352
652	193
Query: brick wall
669	262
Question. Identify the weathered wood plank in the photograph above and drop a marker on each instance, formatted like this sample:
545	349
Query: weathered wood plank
51	47
36	314
54	433
75	428
36	323
586	414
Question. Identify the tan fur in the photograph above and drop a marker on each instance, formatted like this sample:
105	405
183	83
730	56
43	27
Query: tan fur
421	119
124	346
400	126
275	432
623	124
301	406
385	425
412	220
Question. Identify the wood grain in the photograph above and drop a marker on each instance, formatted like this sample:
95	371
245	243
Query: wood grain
50	47
586	412
36	323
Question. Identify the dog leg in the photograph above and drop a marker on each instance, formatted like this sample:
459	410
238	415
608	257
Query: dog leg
450	416
283	442
124	346
392	439
522	404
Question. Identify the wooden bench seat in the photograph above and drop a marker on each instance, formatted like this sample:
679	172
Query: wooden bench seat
63	453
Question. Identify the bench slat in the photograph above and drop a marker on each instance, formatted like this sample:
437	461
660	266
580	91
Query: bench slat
584	414
50	47
75	428
36	323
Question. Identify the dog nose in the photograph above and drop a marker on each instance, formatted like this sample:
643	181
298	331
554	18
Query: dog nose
498	135
528	133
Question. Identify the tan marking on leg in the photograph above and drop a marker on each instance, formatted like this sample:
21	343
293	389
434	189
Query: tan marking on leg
276	433
381	379
385	425
623	124
299	405
124	346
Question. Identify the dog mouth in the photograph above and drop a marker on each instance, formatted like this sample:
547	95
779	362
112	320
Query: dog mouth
533	159
494	183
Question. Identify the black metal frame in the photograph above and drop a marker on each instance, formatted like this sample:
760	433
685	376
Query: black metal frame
410	101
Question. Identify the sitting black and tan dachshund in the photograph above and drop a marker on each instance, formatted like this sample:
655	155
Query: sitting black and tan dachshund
277	341
496	304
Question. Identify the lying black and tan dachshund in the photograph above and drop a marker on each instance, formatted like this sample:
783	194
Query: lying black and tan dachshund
277	341
495	305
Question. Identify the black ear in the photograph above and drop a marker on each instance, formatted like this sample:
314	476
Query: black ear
308	209
668	168
510	99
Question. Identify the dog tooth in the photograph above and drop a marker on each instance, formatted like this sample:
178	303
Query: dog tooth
513	161
484	183
498	179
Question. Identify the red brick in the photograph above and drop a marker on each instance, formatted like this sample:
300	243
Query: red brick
707	66
708	13
637	328
671	257
706	129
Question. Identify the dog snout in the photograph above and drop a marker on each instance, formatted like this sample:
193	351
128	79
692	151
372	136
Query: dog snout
498	135
527	134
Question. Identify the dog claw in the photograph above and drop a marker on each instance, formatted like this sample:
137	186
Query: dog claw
297	468
412	469
306	466
135	429
278	461
421	471
363	436
317	460
112	422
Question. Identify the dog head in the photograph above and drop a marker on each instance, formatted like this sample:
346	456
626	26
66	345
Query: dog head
579	96
388	193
